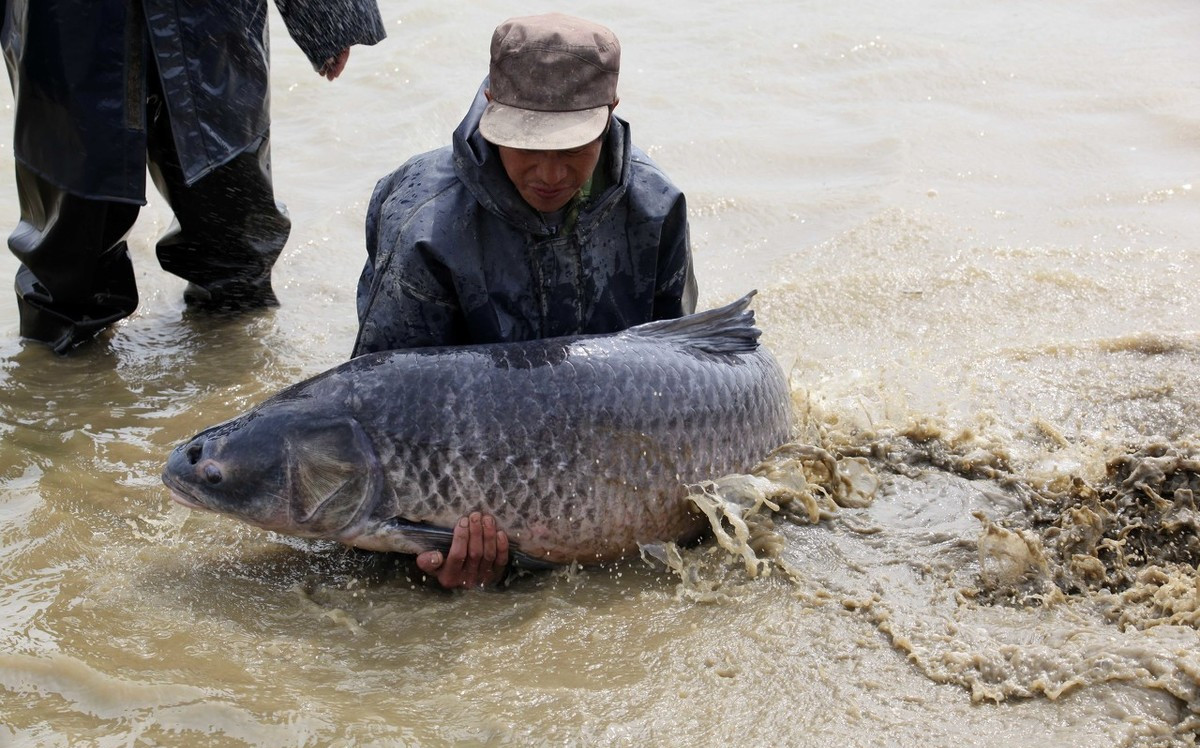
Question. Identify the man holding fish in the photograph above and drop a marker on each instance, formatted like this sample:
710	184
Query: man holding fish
542	219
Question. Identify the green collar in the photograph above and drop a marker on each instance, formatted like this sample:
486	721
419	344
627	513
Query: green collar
595	185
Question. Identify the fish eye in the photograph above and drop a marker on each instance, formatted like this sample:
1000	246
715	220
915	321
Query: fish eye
212	474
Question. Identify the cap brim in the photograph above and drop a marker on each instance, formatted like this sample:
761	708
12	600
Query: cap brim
541	131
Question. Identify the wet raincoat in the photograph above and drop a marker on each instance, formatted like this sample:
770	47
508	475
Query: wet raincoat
456	256
80	122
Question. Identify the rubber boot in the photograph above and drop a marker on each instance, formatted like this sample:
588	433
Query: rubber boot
228	229
76	277
64	328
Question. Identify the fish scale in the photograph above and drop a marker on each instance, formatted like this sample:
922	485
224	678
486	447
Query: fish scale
581	447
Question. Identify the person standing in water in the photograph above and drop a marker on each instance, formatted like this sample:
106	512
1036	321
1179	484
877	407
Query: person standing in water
105	89
541	219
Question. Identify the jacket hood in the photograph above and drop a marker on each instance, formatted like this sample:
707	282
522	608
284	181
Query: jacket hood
477	165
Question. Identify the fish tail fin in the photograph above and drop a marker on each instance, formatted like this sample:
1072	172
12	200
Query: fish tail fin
727	329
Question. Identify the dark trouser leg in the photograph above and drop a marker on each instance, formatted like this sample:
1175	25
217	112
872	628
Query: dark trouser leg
75	277
228	229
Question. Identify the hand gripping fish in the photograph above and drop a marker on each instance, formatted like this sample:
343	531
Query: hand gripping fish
582	447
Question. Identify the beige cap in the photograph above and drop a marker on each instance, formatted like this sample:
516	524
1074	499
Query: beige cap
552	79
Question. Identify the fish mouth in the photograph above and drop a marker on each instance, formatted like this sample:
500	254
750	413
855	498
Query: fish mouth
179	495
179	498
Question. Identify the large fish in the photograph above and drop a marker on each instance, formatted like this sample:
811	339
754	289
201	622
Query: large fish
582	447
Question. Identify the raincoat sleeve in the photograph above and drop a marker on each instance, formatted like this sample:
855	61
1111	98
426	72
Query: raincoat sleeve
323	28
405	294
675	293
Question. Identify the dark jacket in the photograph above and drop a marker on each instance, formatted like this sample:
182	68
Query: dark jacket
78	71
456	256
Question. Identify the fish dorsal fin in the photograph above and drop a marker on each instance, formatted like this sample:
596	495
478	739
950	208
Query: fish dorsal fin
727	329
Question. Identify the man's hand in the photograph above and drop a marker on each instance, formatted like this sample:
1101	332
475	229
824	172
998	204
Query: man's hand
478	555
334	66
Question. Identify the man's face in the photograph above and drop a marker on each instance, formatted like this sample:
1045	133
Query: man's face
547	180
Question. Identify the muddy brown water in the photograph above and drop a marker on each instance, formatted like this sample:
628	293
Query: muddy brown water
974	232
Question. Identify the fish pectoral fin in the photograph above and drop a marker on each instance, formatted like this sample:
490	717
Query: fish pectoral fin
433	538
420	535
335	473
532	563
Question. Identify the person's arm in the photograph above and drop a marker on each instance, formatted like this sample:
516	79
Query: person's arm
676	289
333	68
478	555
405	295
325	31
